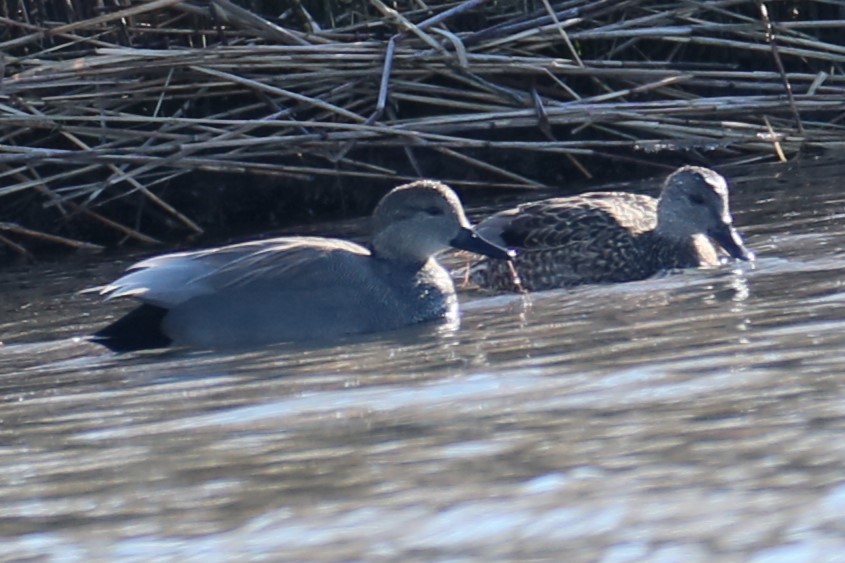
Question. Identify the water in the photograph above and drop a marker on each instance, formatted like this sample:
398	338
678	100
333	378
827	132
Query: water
691	417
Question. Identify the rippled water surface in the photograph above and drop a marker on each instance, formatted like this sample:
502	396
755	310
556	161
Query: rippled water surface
692	417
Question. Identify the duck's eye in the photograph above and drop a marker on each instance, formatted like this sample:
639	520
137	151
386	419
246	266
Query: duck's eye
433	210
696	199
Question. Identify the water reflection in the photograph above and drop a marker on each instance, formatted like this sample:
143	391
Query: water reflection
696	416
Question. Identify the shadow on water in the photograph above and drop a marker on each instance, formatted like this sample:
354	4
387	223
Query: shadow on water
687	417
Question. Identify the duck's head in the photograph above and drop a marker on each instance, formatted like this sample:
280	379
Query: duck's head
695	201
417	220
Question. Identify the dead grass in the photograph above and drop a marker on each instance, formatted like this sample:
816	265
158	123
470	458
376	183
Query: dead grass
101	110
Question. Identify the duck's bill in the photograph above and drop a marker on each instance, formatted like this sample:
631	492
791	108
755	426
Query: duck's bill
471	241
729	239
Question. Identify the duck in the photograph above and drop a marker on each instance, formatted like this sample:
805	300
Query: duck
610	237
301	287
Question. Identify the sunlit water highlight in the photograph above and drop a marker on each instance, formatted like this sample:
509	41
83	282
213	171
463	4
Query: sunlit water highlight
691	417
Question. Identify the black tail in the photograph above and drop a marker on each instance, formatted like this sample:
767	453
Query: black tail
139	329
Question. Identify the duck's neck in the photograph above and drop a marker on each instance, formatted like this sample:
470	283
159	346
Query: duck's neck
403	261
672	251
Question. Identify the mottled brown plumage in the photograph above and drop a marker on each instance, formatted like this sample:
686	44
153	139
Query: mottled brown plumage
605	237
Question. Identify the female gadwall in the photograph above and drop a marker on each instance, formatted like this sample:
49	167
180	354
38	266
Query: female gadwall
604	237
296	288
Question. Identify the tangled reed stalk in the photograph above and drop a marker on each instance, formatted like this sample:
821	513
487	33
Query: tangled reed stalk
104	105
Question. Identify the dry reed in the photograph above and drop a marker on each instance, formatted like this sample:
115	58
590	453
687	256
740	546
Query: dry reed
103	107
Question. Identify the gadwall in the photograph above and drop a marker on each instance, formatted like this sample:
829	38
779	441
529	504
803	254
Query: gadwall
296	288
604	237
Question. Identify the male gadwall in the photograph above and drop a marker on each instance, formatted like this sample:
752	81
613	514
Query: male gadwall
296	288
604	237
